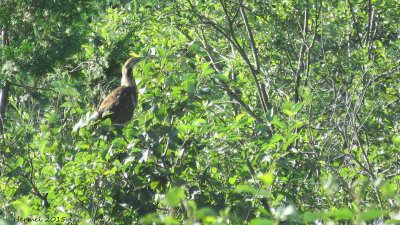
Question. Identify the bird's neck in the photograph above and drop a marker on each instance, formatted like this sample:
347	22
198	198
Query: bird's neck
127	79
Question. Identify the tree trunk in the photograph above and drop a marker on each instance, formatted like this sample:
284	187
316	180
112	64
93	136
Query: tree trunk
3	104
4	90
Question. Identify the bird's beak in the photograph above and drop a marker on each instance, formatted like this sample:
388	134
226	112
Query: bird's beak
142	59
146	57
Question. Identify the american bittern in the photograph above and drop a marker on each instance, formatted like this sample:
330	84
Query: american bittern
120	104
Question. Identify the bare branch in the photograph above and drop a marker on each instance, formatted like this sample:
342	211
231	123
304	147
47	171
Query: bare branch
232	39
30	87
35	190
223	85
368	40
301	58
234	96
252	43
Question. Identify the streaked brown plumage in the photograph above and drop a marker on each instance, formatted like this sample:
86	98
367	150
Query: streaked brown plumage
122	101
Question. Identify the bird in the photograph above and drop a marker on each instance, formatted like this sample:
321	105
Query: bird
120	104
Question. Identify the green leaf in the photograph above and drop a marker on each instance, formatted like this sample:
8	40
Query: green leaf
288	106
127	162
107	122
195	47
267	178
310	217
288	112
169	66
174	196
172	134
48	171
151	218
277	122
290	109
261	221
396	139
276	138
289	140
245	188
81	158
239	117
232	179
208	71
371	214
297	107
22	210
206	212
82	144
342	214
43	145
65	105
52	118
147	68
154	184
119	143
199	122
221	77
190	86
204	66
20	161
161	51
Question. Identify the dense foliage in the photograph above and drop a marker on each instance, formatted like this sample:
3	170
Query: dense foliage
252	112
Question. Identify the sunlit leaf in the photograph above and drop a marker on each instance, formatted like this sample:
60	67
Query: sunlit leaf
276	137
174	196
261	221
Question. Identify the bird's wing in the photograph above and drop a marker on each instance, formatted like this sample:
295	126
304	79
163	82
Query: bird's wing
113	100
121	103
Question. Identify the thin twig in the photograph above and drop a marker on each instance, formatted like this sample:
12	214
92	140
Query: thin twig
30	87
252	42
223	85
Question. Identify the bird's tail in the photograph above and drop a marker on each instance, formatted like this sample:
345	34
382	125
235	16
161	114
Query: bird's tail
85	120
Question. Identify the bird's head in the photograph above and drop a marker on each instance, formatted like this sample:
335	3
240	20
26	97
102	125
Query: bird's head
132	62
127	77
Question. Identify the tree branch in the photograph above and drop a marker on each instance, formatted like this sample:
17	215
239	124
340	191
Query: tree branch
3	104
252	43
232	38
30	87
31	182
5	89
301	58
223	85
